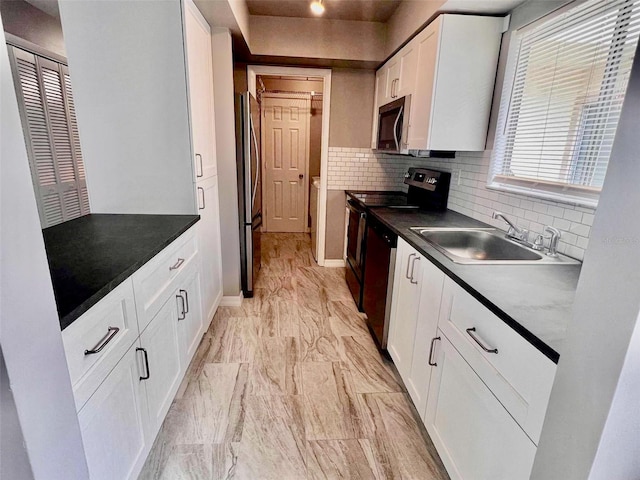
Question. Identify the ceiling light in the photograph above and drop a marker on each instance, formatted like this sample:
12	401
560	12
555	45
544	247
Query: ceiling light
317	7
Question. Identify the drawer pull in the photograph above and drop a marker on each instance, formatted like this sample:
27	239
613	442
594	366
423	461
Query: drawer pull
433	341
201	174
146	363
111	332
177	265
182	314
475	339
186	299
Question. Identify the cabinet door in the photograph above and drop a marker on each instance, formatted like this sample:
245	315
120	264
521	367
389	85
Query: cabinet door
393	79
475	436
381	87
408	63
426	45
199	59
190	324
209	248
113	423
405	302
161	347
432	285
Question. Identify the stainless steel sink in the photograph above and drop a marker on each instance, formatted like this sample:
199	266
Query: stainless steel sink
484	246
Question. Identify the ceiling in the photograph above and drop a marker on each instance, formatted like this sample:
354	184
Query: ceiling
361	10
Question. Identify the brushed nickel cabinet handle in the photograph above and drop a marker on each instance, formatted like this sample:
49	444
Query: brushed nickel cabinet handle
177	265
111	332
200	189
408	264
413	267
477	340
433	341
183	313
146	363
186	298
198	156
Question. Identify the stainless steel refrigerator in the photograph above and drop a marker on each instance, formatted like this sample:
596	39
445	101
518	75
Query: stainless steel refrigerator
249	187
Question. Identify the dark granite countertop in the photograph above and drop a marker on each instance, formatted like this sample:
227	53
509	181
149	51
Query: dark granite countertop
535	300
92	255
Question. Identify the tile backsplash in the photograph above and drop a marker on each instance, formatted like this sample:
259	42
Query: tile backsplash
360	168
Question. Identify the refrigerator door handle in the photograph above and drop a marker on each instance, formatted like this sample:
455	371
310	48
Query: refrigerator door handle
255	144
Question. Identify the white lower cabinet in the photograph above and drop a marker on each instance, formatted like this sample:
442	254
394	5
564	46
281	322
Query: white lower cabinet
114	422
190	319
475	436
162	369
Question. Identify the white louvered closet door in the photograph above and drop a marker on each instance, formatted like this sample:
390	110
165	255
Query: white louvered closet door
51	133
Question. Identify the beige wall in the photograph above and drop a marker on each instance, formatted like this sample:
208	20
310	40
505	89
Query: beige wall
334	239
351	107
27	22
313	38
410	16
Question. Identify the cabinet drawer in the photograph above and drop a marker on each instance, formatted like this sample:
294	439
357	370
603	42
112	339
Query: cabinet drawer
109	328
518	374
154	282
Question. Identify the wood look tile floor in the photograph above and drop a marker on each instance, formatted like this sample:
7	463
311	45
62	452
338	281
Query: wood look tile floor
291	386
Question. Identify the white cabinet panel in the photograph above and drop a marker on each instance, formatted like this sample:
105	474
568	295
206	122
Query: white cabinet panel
190	322
408	60
405	303
209	245
417	382
160	344
200	66
113	423
475	436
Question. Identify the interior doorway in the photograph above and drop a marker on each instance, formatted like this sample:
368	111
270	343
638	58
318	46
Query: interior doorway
323	102
292	111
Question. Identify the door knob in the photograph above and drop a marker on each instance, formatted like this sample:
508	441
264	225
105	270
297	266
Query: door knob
301	176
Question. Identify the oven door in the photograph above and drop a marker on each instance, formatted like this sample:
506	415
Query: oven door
355	237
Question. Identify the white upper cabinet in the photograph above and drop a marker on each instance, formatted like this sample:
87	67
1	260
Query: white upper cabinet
200	69
449	70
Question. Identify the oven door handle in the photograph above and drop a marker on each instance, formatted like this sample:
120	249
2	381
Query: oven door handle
360	240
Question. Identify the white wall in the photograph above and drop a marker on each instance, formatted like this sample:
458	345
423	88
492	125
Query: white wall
605	314
127	67
226	157
30	335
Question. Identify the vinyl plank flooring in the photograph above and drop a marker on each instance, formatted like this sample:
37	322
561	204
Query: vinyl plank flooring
400	448
275	369
369	371
233	340
340	459
331	408
273	443
188	462
317	341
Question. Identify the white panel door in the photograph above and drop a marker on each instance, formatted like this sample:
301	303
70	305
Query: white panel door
161	347
285	150
475	436
405	304
209	247
190	322
113	422
422	98
408	70
432	285
199	59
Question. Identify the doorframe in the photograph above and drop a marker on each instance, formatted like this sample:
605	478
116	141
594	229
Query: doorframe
325	74
307	153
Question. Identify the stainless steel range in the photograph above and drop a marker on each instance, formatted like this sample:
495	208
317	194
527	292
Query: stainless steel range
371	246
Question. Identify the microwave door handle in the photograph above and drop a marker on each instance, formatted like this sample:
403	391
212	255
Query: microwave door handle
395	129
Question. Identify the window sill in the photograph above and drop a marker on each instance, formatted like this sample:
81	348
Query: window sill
563	198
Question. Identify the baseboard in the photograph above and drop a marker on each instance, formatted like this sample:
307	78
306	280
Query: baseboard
231	300
333	263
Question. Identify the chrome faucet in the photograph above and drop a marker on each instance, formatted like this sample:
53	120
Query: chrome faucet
553	240
514	232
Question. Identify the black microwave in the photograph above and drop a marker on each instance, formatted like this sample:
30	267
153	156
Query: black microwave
393	126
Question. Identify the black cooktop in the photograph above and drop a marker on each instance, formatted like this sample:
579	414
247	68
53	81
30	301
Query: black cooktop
382	198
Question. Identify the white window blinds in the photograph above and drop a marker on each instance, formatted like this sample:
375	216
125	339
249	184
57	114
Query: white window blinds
51	133
559	115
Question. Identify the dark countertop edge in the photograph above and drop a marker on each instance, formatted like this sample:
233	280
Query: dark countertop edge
81	309
545	349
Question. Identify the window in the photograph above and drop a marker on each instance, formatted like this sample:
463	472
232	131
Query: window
51	133
559	113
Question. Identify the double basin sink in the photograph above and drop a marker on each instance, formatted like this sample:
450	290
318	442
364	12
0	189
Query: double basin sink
485	246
